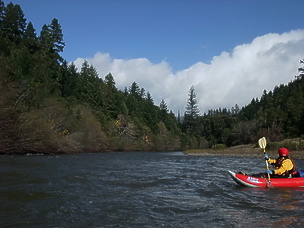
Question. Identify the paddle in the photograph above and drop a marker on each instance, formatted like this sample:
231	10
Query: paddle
262	144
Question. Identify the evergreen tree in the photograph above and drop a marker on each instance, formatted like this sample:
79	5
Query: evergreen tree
56	37
163	106
69	80
192	112
150	99
44	37
51	38
30	32
30	38
192	108
301	70
109	80
13	23
2	8
135	90
235	110
114	99
90	86
149	113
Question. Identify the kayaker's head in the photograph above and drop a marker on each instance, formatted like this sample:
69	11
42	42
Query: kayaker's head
283	152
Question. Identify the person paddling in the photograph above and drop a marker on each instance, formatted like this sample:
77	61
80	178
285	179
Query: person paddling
284	166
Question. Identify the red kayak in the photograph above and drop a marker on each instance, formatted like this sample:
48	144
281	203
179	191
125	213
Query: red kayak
251	181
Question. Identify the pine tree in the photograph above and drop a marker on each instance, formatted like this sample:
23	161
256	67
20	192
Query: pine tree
2	7
192	113
51	38
192	110
69	80
57	36
13	23
30	32
301	70
149	113
135	90
163	106
109	80
30	39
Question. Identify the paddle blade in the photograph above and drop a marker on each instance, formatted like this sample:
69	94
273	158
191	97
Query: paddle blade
262	143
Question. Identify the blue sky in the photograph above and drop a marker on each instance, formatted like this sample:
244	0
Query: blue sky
161	42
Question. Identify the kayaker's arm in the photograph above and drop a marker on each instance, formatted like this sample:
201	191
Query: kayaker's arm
286	165
271	161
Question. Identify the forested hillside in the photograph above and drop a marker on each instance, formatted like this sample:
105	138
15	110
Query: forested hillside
50	106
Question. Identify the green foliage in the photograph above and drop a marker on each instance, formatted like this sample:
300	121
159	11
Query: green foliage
51	106
219	146
281	111
292	144
191	114
277	115
13	23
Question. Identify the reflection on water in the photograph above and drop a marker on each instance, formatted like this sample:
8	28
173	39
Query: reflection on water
140	190
284	206
287	200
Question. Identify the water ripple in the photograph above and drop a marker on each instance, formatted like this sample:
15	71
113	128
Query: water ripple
140	190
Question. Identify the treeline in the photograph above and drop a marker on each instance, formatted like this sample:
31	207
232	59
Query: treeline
50	106
277	115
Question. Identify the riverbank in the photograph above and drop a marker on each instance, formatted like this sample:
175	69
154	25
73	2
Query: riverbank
250	150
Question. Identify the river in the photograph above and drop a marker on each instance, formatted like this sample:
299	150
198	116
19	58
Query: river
139	189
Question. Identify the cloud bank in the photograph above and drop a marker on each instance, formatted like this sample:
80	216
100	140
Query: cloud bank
231	78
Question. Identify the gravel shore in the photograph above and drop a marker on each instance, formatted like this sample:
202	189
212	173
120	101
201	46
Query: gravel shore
241	151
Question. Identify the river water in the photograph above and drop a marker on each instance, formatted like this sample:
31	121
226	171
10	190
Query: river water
132	189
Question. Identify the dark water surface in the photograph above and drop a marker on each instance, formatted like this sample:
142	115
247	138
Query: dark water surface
140	190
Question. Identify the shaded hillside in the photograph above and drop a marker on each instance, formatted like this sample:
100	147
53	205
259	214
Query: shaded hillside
50	106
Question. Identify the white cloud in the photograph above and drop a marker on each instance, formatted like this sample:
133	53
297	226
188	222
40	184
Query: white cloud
231	78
